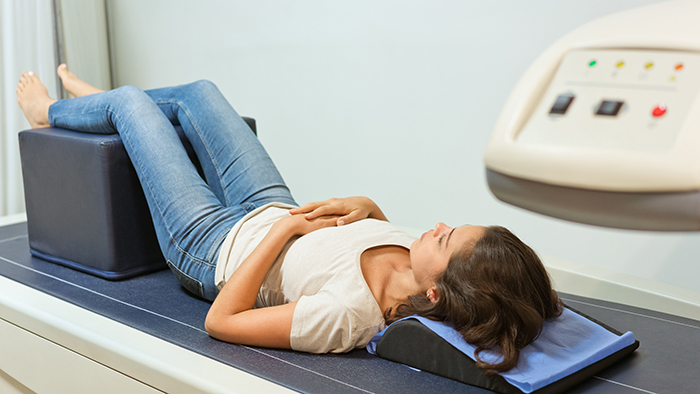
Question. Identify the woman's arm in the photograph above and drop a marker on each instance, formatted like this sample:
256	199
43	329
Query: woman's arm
350	209
232	318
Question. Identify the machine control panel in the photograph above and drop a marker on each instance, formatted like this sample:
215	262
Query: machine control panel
616	99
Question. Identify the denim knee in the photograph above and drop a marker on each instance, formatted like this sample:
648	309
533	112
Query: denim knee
127	91
130	96
203	89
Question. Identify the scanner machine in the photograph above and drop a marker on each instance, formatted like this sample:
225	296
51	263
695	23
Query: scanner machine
604	127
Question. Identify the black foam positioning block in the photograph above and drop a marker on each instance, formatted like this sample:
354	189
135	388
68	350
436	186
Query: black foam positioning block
85	206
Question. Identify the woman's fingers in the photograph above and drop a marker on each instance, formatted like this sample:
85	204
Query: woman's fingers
320	208
312	206
353	216
350	209
306	207
326	210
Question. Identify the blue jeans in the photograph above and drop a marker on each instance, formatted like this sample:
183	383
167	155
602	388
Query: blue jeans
191	216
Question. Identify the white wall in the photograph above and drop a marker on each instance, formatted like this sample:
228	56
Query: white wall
26	44
85	43
391	99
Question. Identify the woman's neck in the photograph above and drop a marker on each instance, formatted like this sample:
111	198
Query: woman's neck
387	271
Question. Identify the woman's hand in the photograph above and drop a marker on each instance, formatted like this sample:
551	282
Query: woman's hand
300	225
345	210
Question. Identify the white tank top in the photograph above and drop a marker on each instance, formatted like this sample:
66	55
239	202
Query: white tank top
336	311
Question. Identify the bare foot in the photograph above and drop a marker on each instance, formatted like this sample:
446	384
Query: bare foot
75	85
34	100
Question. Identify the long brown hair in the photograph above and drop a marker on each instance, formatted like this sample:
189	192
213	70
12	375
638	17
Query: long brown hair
495	292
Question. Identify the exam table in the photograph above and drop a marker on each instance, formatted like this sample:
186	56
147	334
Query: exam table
66	331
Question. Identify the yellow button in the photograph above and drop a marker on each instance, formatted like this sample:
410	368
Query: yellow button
620	64
649	65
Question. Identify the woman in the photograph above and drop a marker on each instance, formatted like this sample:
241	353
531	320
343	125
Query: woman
323	277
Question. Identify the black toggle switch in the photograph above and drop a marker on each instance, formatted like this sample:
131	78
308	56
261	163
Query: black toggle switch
561	104
609	108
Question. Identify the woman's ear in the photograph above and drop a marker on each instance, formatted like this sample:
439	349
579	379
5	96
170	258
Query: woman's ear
432	294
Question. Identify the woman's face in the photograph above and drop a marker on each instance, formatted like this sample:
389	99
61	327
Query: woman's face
432	251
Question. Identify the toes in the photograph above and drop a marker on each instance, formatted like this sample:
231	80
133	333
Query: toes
62	70
29	76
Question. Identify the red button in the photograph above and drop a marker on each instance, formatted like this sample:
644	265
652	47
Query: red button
659	110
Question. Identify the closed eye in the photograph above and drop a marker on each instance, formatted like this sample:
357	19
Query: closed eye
448	237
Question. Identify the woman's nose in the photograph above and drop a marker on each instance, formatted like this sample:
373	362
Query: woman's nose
441	228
